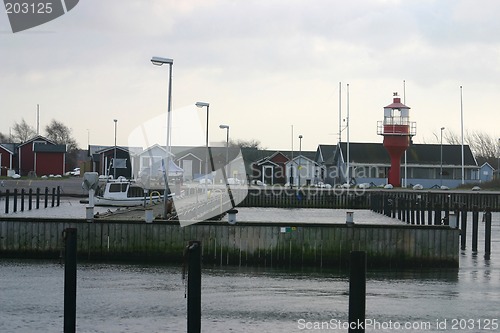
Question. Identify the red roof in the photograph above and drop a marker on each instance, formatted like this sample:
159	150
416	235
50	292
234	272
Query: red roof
396	104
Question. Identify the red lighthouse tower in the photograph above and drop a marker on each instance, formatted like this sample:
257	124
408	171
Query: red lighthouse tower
397	131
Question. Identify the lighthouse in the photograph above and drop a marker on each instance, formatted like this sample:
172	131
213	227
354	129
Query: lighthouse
397	131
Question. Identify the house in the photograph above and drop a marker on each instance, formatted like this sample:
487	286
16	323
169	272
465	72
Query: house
271	169
7	158
370	163
486	172
304	169
325	158
108	166
41	156
192	161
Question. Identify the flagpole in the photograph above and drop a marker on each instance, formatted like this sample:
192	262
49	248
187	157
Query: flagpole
462	131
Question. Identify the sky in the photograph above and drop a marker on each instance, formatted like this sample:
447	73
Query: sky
269	69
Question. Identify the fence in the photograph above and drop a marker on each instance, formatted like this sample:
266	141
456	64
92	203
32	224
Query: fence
19	199
282	197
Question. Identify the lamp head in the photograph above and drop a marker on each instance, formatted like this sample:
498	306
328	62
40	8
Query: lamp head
158	61
300	136
442	128
115	120
223	126
202	104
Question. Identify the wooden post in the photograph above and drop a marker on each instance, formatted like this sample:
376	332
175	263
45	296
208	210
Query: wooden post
463	225
46	196
59	195
30	198
487	233
475	224
22	200
70	280
14	206
52	202
37	198
437	214
194	287
7	200
357	291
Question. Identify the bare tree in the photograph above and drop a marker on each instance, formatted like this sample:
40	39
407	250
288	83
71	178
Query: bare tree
253	143
60	134
4	138
485	147
22	132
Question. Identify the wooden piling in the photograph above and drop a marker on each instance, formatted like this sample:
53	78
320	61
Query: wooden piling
194	287
463	226
14	206
475	225
487	233
37	198
30	198
7	201
357	291
46	196
70	280
22	200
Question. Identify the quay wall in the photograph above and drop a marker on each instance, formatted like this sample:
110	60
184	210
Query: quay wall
292	245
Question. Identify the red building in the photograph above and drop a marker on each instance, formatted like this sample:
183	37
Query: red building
6	158
41	157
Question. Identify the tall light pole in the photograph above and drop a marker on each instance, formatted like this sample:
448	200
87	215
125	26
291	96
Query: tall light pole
441	169
158	61
300	157
114	155
226	127
498	161
201	105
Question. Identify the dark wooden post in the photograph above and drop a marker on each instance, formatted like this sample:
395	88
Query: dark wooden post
37	198
46	196
70	280
59	195
437	214
14	206
30	198
463	226
357	291
475	225
22	200
194	287
7	201
52	202
487	233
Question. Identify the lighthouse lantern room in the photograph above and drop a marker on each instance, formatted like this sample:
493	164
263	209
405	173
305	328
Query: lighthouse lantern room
397	131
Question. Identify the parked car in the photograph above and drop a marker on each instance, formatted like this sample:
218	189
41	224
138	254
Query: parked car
75	172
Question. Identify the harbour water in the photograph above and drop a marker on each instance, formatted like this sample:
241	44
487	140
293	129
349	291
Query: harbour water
139	298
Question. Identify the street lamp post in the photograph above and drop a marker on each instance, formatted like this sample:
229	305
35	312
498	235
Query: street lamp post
300	158
226	127
201	105
114	154
158	61
441	168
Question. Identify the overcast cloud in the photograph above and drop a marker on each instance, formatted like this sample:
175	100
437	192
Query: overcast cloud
262	65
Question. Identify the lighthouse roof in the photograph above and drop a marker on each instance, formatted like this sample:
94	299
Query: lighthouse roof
396	104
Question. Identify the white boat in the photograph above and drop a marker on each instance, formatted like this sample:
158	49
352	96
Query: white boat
125	193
